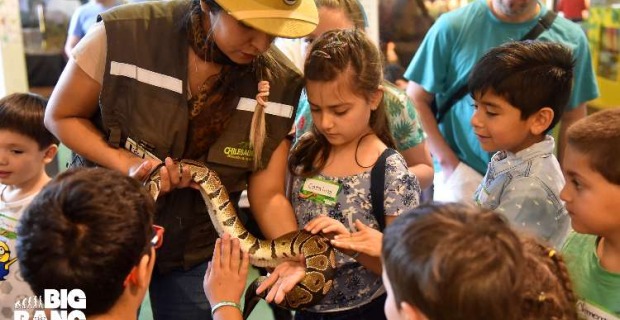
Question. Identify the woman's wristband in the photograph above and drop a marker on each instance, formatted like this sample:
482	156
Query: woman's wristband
222	304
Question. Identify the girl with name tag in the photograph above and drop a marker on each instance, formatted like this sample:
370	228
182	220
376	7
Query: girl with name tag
332	169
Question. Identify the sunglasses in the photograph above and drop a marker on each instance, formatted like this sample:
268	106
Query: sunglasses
158	236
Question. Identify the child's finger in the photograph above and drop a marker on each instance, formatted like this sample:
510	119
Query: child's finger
216	253
312	223
273	291
335	229
245	265
281	293
360	225
270	281
235	255
225	251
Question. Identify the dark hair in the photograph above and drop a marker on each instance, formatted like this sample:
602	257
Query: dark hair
530	75
334	53
23	113
598	136
86	229
548	291
223	87
454	261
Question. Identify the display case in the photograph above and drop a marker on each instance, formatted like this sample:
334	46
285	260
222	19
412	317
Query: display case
603	28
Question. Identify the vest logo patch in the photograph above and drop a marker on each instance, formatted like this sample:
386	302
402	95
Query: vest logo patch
243	151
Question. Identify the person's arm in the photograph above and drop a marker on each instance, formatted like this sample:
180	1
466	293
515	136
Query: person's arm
70	44
420	163
440	149
68	116
568	118
266	194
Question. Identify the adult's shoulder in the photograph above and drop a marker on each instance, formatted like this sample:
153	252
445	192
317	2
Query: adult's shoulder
566	31
464	16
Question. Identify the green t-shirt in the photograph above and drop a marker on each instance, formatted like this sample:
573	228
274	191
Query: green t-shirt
598	289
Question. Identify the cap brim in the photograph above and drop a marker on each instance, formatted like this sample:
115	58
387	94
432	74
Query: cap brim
276	19
282	27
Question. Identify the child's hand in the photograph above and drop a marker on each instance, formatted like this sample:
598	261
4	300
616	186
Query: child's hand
282	280
328	226
366	240
227	273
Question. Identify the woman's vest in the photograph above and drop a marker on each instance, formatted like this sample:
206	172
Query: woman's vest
143	107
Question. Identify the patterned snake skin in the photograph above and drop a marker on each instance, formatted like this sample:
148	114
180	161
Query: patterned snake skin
319	254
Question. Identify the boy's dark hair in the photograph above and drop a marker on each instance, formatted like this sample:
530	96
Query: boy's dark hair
86	229
335	53
454	261
598	136
530	75
23	113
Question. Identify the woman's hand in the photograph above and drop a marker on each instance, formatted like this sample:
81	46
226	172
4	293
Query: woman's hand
282	280
227	273
173	175
366	240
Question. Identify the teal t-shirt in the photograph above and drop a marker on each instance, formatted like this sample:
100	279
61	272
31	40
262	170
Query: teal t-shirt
401	114
598	289
455	43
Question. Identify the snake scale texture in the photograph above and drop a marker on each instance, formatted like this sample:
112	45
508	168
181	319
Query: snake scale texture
319	254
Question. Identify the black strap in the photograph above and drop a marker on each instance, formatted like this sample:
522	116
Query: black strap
377	187
544	23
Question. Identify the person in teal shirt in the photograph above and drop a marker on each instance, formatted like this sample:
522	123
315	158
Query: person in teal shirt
592	196
443	63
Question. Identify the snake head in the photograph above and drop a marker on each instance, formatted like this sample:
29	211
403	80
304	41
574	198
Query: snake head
153	182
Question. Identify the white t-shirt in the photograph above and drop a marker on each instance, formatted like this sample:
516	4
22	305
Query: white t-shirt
13	287
91	52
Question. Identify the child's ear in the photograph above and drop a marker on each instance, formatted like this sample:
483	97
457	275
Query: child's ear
50	153
541	120
410	312
144	269
375	98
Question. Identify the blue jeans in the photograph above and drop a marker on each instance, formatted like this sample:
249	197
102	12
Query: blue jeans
370	311
179	295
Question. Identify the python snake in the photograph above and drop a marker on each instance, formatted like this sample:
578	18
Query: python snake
319	254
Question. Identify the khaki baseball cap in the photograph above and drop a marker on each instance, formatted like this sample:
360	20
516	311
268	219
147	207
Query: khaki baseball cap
280	18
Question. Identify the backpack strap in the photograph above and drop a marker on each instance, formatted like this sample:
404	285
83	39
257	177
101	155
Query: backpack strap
377	187
544	23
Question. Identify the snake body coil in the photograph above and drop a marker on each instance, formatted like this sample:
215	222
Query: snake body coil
319	254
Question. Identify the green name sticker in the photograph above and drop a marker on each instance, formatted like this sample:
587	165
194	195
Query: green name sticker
320	191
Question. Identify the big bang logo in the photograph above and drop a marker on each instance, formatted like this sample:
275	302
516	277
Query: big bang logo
57	302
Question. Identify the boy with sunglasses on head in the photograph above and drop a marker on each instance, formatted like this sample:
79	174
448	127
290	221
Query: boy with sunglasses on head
91	229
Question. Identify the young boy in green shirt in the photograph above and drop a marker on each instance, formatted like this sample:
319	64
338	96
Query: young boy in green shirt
592	196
